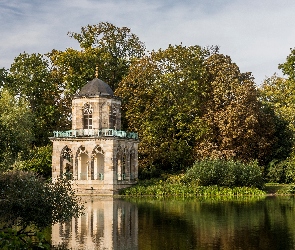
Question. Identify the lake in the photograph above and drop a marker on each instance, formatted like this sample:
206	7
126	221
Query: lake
148	224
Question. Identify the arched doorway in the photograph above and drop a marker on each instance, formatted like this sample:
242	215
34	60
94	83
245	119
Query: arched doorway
83	163
98	163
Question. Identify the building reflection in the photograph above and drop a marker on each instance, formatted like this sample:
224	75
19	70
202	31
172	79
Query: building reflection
108	223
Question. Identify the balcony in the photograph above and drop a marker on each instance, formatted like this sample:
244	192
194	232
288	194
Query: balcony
95	133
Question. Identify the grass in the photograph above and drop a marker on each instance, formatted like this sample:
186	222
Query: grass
174	185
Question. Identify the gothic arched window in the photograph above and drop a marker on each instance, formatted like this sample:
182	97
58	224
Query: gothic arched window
87	116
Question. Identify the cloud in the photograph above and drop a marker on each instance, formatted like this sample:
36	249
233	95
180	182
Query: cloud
256	34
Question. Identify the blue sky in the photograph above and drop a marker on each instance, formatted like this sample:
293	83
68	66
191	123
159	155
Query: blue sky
256	34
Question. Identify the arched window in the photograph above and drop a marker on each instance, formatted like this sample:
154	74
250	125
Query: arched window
83	163
87	116
66	161
97	163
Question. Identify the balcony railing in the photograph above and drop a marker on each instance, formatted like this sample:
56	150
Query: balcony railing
95	133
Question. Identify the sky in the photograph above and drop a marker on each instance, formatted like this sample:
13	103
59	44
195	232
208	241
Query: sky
256	34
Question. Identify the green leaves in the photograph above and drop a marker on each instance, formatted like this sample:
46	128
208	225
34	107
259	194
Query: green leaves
38	160
16	123
278	95
28	200
31	78
288	67
29	204
188	104
108	47
225	173
162	97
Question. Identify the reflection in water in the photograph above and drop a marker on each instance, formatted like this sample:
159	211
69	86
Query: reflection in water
106	224
151	224
209	224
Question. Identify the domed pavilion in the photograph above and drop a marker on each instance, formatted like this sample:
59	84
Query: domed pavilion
96	153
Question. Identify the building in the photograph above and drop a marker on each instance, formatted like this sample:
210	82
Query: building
96	153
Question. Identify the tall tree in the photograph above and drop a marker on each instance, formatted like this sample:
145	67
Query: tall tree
279	93
31	78
16	123
239	128
3	77
105	46
163	97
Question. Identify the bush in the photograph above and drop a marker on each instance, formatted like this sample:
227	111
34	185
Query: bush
174	186
149	172
282	172
29	204
276	172
225	173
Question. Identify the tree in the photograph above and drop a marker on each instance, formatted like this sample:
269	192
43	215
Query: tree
279	94
105	46
163	97
238	127
288	67
28	204
16	123
31	78
3	77
37	159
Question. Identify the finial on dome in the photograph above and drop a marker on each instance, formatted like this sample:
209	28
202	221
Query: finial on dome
96	71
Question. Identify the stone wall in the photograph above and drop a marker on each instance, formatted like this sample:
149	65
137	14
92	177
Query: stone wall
106	112
120	161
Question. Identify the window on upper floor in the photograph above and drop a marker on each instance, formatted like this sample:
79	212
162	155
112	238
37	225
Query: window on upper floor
87	116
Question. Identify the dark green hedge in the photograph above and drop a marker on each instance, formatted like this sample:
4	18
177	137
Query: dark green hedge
226	173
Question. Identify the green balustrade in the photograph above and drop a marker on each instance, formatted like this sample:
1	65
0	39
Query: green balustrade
95	133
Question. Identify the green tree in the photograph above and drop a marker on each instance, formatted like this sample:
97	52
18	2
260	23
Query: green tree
37	159
105	46
163	97
16	123
3	77
278	93
288	67
29	204
31	78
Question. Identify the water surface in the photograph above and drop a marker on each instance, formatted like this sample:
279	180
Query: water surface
148	224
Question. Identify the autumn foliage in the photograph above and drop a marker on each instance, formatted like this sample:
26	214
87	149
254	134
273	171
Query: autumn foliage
191	103
186	103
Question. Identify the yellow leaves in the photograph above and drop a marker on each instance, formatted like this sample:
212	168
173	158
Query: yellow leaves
233	113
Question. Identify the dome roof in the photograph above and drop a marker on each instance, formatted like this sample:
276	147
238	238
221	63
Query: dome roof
96	87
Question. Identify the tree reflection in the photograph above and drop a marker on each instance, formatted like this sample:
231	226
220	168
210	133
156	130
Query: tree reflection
147	224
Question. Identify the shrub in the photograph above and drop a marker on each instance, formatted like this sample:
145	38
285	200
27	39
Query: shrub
149	172
29	204
276	172
174	187
282	172
225	173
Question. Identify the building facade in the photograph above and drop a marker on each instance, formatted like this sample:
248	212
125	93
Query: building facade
96	153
